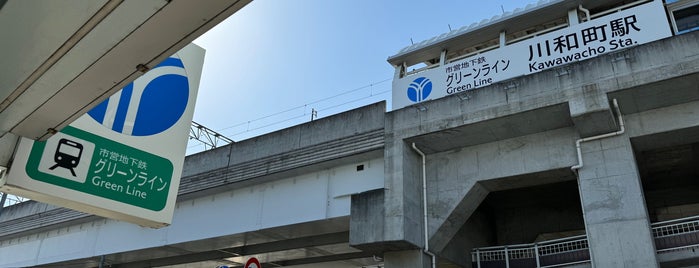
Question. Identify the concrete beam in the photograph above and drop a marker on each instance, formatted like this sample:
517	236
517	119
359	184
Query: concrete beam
591	112
661	120
500	128
681	258
320	144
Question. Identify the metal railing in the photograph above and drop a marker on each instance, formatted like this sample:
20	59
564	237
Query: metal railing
552	253
674	235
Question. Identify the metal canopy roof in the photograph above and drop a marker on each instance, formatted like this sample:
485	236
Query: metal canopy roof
489	29
61	58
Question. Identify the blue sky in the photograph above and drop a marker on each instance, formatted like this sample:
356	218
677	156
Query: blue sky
284	58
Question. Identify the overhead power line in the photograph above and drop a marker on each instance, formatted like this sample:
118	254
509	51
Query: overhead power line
309	104
211	139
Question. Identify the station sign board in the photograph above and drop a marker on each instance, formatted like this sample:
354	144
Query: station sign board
124	158
613	32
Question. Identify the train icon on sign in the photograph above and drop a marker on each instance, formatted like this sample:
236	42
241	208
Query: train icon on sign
149	105
67	155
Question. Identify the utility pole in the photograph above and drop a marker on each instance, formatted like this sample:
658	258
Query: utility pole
314	114
2	201
211	139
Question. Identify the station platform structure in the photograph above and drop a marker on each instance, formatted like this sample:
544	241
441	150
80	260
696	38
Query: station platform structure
592	163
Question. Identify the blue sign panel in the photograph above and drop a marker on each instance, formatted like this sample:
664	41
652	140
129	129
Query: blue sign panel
149	105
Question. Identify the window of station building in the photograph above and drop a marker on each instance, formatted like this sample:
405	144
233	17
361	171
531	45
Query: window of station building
684	15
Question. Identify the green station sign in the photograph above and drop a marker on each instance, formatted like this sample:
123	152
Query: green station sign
94	165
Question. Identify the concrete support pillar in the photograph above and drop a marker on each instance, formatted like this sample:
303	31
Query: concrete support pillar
395	214
406	259
403	199
614	208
